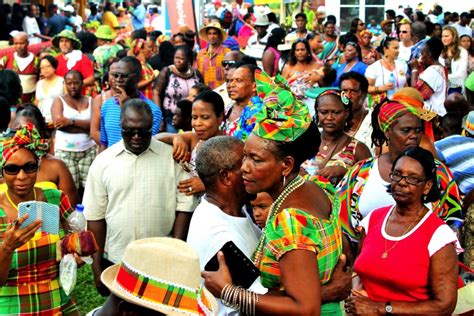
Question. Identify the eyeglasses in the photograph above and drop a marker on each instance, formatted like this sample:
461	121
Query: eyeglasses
117	75
140	132
29	167
226	63
395	176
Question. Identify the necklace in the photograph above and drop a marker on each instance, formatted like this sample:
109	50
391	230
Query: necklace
16	205
326	144
385	253
289	188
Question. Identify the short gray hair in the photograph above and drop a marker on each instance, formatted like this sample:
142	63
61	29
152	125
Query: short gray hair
216	154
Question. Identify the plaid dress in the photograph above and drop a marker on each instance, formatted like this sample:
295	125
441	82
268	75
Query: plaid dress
294	229
32	287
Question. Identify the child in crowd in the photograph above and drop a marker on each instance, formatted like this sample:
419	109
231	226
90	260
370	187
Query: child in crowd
182	116
195	90
261	207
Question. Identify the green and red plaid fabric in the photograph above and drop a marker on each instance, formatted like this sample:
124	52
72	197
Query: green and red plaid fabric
32	287
294	229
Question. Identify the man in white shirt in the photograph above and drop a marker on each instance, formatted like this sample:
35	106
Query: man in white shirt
131	191
220	218
406	42
31	27
257	42
463	26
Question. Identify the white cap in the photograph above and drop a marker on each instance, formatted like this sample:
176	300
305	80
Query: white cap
262	20
68	8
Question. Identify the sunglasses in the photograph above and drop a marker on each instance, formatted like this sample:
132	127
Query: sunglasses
226	63
140	132
404	32
12	169
361	24
117	75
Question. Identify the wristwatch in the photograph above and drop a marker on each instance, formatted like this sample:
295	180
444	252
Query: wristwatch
388	308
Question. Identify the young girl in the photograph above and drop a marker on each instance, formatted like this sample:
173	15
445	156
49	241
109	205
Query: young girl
261	207
182	116
206	117
195	90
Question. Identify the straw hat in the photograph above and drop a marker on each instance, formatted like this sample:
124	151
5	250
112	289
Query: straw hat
76	44
385	22
214	25
411	96
468	124
161	274
104	32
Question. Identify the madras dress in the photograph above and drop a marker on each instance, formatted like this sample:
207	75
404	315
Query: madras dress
448	207
294	229
210	66
32	287
330	50
147	74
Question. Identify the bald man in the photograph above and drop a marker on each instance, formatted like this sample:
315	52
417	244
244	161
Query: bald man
24	63
229	59
456	103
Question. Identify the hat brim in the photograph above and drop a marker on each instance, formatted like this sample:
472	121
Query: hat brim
203	33
105	37
283	47
108	278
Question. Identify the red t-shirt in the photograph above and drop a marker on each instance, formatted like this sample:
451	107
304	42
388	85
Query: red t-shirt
84	66
404	274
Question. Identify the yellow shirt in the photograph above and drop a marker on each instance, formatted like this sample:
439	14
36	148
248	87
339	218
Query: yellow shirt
108	18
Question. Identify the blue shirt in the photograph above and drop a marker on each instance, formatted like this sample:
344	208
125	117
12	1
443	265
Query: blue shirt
359	67
110	129
56	24
138	17
457	152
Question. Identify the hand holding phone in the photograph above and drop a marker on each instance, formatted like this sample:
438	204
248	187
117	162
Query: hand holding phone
15	236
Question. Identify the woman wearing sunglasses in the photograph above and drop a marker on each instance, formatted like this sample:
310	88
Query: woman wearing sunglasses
72	117
407	262
29	271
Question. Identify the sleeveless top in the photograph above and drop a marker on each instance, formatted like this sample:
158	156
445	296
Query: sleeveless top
177	89
344	158
275	61
32	287
74	141
386	279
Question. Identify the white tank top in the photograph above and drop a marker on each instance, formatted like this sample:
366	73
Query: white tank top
74	141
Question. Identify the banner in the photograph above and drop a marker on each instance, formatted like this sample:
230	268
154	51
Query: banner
181	13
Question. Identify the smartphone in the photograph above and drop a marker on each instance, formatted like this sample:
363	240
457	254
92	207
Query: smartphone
47	212
241	268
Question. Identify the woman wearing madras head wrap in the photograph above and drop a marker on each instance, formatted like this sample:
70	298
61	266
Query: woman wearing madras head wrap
29	272
300	246
364	188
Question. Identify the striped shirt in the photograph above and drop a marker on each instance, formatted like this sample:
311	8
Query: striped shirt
209	65
110	129
457	152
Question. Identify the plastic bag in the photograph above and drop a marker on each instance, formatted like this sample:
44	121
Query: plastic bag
68	273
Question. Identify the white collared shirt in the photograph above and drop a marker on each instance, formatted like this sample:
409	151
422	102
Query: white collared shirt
136	195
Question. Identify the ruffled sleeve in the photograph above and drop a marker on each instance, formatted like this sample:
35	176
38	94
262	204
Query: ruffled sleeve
292	230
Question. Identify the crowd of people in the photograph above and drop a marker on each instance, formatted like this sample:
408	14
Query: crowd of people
340	164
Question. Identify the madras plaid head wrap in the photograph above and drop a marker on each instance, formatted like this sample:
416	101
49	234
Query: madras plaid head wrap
27	136
282	118
390	111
